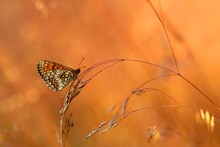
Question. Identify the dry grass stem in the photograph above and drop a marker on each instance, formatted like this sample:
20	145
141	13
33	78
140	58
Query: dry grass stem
121	107
116	119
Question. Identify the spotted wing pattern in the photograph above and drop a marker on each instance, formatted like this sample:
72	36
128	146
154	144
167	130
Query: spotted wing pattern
55	75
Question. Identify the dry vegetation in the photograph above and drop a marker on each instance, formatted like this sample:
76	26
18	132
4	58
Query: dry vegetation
150	76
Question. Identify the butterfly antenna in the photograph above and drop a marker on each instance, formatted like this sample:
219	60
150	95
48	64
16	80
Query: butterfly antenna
81	63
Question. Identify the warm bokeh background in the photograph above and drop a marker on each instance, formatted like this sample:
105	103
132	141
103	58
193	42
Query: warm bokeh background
66	31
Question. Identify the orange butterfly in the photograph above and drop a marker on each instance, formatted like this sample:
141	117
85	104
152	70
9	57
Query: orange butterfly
55	75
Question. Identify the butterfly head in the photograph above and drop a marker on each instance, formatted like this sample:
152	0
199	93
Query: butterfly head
77	71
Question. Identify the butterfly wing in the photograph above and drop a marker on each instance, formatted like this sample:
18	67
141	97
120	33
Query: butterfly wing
55	75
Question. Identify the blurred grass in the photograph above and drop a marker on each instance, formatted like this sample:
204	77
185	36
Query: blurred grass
67	31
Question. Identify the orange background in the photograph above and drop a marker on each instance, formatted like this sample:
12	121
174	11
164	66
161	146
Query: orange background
67	31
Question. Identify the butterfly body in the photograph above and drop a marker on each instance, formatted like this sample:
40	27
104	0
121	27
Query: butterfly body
55	75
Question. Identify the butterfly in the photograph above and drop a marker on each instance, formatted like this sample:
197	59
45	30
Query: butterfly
56	76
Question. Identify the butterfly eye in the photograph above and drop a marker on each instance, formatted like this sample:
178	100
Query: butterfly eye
55	75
